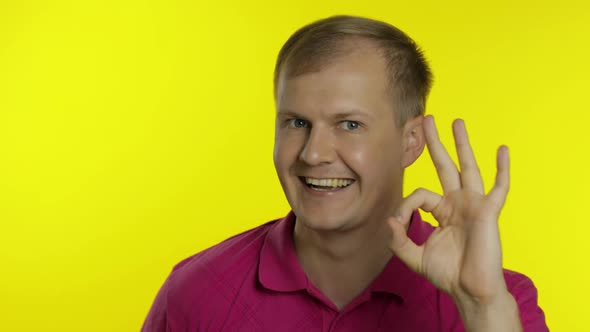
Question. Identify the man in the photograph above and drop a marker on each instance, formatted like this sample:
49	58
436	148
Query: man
353	255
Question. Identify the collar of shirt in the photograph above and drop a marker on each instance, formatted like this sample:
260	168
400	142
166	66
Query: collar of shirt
279	268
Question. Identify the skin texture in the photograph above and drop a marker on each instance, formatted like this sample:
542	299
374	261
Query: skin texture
323	144
339	122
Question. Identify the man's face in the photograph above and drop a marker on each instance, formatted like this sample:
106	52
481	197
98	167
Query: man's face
338	152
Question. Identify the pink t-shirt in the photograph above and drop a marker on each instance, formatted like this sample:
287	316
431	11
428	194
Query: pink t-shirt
253	282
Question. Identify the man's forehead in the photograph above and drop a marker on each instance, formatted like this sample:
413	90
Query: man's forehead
344	90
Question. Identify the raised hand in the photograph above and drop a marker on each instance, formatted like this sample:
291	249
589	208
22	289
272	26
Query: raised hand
463	256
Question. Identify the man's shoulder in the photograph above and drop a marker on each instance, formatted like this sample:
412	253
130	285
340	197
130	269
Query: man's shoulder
222	262
208	281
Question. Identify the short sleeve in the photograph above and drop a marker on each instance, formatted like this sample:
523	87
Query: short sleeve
525	293
156	320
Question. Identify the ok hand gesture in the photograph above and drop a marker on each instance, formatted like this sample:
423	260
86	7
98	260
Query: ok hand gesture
463	256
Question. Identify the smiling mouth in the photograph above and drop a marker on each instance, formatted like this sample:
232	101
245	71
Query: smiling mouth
327	184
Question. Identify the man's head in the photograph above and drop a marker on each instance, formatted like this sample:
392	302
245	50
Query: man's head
350	95
316	45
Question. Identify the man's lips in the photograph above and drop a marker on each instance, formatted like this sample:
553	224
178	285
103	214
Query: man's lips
326	184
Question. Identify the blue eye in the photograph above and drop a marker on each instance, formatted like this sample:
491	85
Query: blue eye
298	123
350	125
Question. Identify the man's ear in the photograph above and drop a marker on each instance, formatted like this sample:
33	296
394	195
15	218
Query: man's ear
413	140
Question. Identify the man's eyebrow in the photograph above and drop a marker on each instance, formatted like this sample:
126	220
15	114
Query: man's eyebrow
288	112
351	113
338	116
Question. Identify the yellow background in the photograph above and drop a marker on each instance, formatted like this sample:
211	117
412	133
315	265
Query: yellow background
136	133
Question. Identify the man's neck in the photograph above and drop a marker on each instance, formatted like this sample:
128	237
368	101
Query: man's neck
343	264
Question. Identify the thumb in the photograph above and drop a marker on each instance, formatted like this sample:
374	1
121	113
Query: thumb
403	247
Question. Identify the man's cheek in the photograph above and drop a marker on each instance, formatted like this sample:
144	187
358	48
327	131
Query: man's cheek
364	158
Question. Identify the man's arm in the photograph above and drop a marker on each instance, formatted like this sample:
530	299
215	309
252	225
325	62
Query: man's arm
463	256
501	314
524	294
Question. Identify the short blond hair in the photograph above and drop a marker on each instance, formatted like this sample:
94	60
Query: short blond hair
315	44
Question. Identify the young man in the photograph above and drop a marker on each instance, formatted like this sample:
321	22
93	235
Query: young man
353	254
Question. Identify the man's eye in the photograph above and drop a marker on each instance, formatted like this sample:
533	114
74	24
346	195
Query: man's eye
350	125
298	123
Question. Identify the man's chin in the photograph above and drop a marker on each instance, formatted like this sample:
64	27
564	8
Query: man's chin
326	223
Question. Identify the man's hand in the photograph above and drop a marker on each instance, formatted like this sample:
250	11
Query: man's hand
463	256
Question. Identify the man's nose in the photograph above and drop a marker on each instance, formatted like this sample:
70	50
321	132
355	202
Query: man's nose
318	149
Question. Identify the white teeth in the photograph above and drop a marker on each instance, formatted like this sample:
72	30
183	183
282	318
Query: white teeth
334	183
